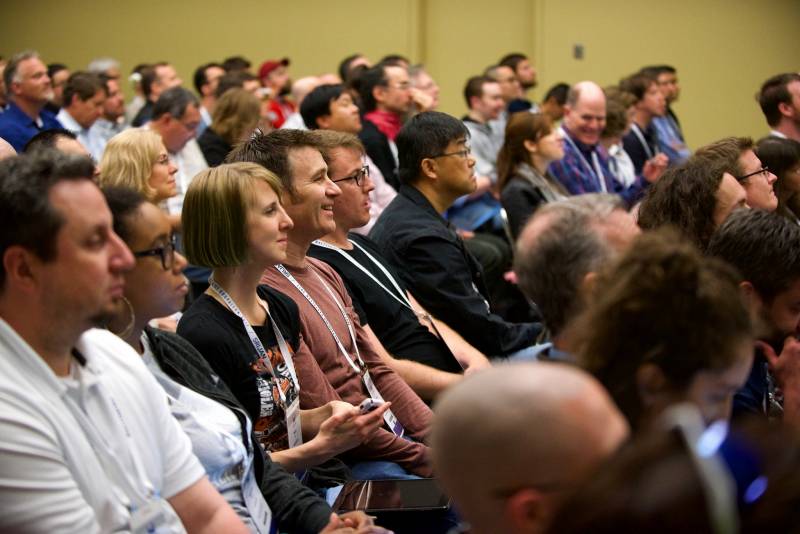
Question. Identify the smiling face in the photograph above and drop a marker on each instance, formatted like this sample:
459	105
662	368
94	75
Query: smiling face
311	206
351	208
587	118
152	290
653	102
84	282
267	226
162	179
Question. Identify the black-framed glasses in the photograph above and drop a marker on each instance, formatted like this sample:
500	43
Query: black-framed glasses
357	176
166	252
463	154
763	171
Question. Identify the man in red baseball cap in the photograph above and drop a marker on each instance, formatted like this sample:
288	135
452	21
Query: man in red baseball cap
274	75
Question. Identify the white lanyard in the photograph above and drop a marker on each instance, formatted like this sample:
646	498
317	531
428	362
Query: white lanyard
594	167
640	136
291	410
361	367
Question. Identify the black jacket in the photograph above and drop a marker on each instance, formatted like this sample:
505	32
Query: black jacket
377	146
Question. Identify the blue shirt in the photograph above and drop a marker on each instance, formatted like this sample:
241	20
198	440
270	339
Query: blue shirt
18	128
670	139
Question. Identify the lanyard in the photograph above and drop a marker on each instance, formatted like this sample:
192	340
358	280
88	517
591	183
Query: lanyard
640	136
254	339
594	167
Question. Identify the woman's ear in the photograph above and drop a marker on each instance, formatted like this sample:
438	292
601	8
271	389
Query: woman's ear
531	145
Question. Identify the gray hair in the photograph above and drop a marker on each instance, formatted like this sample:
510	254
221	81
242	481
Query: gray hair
102	64
174	101
551	266
10	74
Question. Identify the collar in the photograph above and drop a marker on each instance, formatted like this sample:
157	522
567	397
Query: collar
415	195
68	122
387	122
776	133
14	109
583	147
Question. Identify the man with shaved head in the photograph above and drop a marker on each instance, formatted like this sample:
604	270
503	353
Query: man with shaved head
509	440
584	168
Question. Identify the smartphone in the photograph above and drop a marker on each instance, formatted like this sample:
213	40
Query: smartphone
367	405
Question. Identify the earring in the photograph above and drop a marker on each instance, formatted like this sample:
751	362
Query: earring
129	327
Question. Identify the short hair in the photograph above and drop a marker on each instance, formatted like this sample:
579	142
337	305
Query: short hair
200	78
102	64
666	304
329	140
512	60
47	139
616	118
122	202
233	80
128	160
637	84
235	113
235	63
214	215
83	84
394	60
10	72
521	127
780	156
174	101
684	197
317	103
27	218
773	92
474	87
550	271
656	70
727	152
425	135
763	246
271	151
558	92
55	68
344	66
369	80
150	77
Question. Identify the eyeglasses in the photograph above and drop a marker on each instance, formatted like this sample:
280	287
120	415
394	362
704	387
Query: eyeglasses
764	171
463	154
357	176
167	253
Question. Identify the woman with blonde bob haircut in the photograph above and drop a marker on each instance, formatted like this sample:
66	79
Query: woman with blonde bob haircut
236	114
249	333
138	160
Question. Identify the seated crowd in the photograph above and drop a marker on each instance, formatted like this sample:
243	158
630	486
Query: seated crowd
219	307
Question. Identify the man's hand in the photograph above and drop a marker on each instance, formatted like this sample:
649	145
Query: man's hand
353	522
347	428
785	368
421	100
655	167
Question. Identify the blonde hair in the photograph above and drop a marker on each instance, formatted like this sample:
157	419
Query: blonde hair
128	161
236	112
214	215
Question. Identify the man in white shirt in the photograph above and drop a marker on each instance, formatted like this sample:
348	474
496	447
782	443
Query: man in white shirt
87	442
779	99
84	97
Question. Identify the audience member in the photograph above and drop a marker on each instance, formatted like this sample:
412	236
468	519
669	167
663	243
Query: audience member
765	249
554	100
779	99
782	158
155	80
235	117
274	76
737	156
88	442
84	99
435	169
28	87
424	89
330	327
641	142
138	101
206	78
105	66
510	89
619	117
3	93
6	150
236	63
384	309
138	160
112	119
667	324
505	474
300	90
526	75
349	64
57	139
386	96
59	74
331	107
670	136
695	197
531	144
241	79
560	253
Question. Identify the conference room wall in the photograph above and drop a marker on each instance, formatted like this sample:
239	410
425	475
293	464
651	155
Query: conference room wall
723	49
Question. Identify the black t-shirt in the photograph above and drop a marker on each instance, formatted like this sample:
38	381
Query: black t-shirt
397	327
219	335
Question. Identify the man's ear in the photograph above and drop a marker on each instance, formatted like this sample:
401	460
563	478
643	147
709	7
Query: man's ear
20	267
526	511
751	296
786	109
323	122
428	167
378	93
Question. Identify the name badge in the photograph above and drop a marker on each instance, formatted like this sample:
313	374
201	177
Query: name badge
150	516
293	427
388	416
259	510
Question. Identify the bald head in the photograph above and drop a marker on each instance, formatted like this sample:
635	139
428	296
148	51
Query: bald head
303	86
6	150
585	112
508	436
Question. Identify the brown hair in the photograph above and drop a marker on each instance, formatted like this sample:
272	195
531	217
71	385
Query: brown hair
521	127
236	113
727	151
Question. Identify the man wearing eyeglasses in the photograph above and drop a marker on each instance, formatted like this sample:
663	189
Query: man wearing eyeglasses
738	158
436	168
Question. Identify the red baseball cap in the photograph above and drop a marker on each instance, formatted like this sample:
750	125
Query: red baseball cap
270	65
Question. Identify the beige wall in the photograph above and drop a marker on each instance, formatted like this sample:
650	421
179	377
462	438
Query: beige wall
723	49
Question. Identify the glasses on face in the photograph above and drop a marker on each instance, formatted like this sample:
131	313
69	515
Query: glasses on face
357	176
166	252
463	154
763	171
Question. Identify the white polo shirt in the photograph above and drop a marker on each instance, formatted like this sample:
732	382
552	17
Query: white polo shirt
53	475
